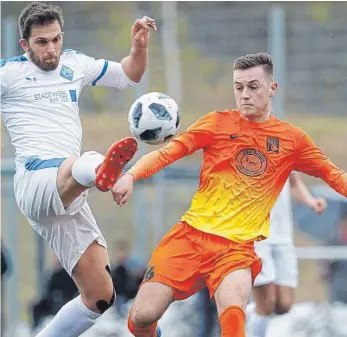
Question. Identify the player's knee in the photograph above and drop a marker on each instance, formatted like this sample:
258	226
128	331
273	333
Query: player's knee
109	296
267	306
101	299
105	302
142	316
283	306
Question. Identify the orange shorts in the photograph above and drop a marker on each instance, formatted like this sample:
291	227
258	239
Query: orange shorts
187	260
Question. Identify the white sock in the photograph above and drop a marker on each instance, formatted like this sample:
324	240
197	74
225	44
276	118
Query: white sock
256	324
83	169
72	320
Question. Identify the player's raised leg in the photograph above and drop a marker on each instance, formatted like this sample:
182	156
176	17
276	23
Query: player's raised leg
92	277
75	175
231	298
150	304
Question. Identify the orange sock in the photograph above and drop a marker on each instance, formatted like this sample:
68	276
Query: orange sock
232	322
149	331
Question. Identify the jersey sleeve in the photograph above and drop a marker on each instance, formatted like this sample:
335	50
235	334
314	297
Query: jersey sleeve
196	137
154	161
311	160
100	72
200	134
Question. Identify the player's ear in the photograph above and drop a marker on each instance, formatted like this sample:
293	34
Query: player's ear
24	43
273	89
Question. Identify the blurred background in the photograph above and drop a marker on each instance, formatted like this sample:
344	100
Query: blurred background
191	59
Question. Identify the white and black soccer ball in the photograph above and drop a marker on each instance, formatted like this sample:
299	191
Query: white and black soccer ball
154	118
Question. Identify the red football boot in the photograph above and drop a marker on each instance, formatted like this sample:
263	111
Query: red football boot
117	156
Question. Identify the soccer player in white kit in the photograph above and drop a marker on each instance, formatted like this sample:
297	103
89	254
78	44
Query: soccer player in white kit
273	290
39	105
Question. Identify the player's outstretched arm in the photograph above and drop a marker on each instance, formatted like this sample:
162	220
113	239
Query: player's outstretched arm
199	135
145	167
312	161
135	64
301	194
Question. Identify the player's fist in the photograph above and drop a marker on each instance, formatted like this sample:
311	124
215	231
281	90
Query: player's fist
122	189
319	205
140	32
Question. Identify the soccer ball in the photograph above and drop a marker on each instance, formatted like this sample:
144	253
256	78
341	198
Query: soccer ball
154	118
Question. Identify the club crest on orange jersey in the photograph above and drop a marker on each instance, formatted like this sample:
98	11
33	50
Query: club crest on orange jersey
273	144
251	162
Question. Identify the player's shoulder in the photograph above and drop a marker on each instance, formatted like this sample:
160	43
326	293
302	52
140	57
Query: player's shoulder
13	63
288	127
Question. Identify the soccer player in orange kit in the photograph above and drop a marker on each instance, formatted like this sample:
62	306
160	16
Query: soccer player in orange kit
248	156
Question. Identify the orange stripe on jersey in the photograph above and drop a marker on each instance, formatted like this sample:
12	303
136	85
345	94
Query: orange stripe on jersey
244	168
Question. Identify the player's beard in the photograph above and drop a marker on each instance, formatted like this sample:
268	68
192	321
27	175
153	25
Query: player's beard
45	66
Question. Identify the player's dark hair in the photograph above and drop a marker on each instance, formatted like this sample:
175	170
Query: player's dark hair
38	13
254	60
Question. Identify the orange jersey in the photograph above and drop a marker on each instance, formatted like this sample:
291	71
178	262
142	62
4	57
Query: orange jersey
245	166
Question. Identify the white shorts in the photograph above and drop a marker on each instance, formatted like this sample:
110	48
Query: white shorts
68	232
280	264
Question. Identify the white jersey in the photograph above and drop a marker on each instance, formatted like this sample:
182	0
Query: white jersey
40	108
281	218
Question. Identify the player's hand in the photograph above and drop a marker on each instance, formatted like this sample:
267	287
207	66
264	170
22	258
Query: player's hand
122	189
319	205
140	32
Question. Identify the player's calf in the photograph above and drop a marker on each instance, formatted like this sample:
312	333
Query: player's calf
75	175
69	189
